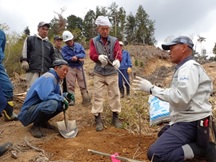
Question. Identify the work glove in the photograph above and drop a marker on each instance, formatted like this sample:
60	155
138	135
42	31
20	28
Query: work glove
25	65
69	96
116	64
65	104
129	70
142	84
103	59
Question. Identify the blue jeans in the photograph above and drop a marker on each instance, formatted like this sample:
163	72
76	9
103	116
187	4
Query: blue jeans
3	101
168	147
6	84
48	107
122	80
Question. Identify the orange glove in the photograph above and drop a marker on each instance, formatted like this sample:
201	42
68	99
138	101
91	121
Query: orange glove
129	70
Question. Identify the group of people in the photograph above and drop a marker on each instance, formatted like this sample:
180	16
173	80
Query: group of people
185	137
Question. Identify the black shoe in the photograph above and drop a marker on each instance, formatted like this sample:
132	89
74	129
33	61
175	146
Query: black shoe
99	123
211	153
36	132
115	120
5	147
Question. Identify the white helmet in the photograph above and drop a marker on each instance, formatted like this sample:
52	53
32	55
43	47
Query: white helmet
67	35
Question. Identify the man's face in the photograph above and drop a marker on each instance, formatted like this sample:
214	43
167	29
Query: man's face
43	31
104	31
177	53
58	43
61	71
70	43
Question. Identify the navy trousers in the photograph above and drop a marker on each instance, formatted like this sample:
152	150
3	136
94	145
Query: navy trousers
168	147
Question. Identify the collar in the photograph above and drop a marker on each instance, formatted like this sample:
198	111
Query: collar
184	61
38	36
52	71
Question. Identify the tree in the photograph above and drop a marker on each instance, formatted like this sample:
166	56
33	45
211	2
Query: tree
130	28
89	25
27	31
144	27
214	49
57	24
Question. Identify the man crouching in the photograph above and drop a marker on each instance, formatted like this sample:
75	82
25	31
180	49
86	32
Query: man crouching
44	99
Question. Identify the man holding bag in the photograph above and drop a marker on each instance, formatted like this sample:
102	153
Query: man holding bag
187	134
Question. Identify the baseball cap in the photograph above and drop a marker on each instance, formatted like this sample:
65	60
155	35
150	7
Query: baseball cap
121	43
57	37
42	23
59	62
179	40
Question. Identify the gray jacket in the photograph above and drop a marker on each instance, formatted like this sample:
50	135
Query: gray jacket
105	50
189	93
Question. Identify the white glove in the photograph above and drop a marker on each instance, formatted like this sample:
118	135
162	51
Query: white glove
116	64
25	65
103	59
142	84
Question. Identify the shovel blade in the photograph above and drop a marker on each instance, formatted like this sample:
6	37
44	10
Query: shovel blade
69	132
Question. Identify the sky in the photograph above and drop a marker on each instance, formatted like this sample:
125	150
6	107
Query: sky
172	17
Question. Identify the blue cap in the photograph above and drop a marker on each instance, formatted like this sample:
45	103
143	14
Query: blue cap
180	40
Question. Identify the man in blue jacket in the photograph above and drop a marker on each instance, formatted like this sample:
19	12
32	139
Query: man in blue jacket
74	54
7	87
125	68
3	102
44	99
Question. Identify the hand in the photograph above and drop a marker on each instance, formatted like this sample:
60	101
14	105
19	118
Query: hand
142	84
69	96
103	59
25	65
129	70
116	64
65	104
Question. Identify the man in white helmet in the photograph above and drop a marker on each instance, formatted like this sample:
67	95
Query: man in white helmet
38	54
74	54
105	51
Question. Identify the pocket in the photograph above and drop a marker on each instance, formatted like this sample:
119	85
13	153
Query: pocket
203	132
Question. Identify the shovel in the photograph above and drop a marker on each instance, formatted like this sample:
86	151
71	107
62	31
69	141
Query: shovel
68	129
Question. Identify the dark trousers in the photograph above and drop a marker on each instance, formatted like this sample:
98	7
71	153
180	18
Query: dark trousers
168	147
122	80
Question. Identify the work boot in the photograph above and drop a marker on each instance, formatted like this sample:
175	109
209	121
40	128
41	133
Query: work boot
8	112
211	152
99	123
115	120
128	90
36	131
122	92
5	147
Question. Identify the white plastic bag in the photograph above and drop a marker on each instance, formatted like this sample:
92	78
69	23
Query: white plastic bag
158	111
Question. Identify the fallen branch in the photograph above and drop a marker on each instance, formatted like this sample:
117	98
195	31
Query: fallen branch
33	147
117	157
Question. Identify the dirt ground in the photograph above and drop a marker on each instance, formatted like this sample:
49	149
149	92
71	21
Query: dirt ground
53	147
